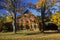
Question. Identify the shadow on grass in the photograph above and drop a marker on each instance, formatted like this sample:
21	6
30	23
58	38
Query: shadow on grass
35	33
51	32
29	33
55	32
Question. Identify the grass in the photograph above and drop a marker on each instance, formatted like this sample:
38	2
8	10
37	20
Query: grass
30	35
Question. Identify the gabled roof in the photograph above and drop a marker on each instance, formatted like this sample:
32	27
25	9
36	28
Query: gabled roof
27	11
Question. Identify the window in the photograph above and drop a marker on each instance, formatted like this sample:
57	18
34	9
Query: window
27	21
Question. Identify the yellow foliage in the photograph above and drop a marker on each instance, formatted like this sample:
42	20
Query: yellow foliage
56	18
9	19
41	2
9	2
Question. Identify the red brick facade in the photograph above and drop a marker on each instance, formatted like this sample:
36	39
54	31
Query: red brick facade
27	19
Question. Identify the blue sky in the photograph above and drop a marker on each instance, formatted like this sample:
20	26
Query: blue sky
4	11
31	10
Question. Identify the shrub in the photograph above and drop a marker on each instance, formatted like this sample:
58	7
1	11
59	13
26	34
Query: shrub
27	27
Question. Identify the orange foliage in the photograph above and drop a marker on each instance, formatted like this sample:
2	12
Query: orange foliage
41	2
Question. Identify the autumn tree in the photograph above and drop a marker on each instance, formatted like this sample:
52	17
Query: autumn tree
13	6
56	19
2	19
44	5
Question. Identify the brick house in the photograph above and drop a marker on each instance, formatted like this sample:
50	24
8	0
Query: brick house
27	20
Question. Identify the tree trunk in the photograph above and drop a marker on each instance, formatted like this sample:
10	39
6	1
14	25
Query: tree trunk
14	22
14	31
43	23
14	15
43	8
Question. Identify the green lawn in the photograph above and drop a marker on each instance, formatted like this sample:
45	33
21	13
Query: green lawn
30	35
